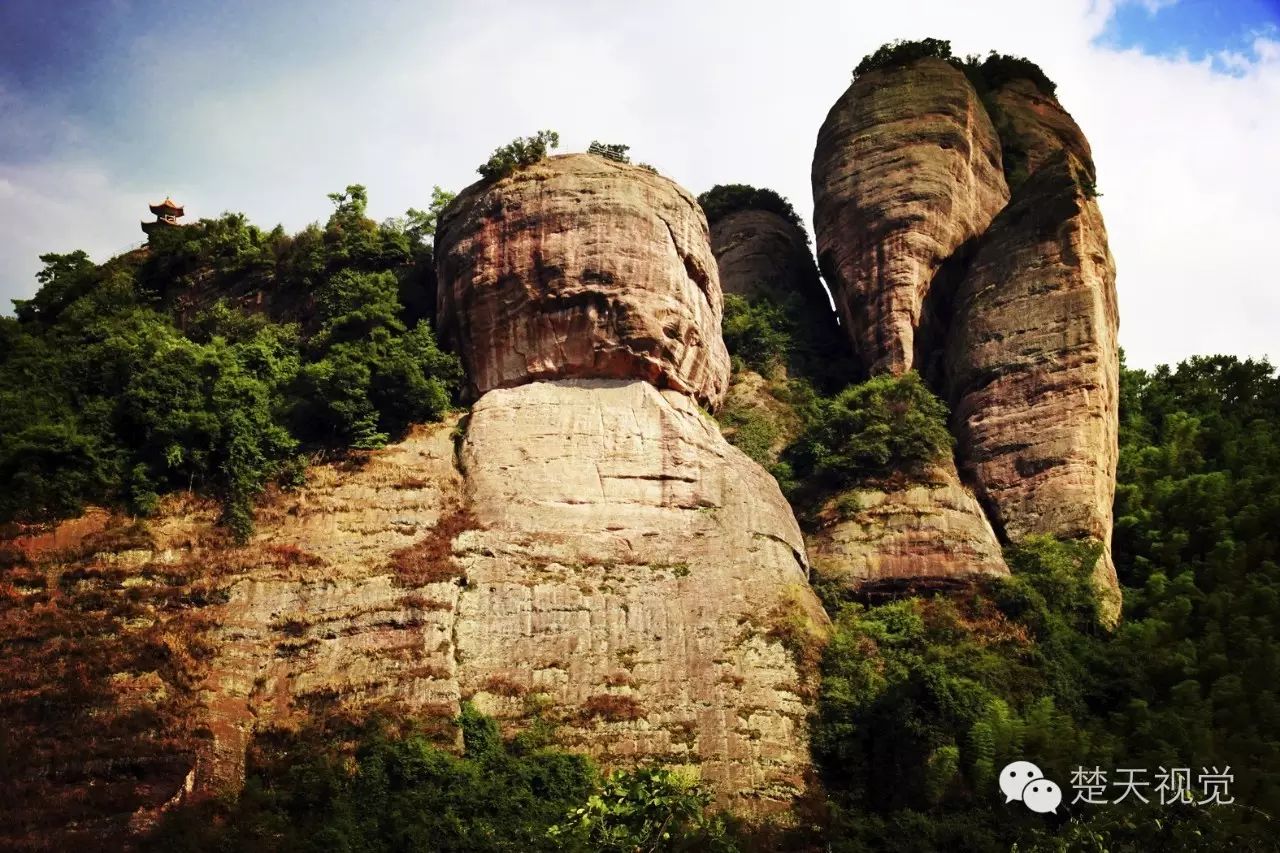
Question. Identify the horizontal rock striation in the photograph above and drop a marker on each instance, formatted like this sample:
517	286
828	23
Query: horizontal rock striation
907	169
1034	365
645	576
1034	128
760	255
894	537
579	266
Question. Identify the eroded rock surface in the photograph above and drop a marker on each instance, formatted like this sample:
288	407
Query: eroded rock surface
1036	128
1035	366
581	266
895	536
641	572
761	255
907	169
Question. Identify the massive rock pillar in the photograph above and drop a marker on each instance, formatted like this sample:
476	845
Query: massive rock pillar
907	170
641	575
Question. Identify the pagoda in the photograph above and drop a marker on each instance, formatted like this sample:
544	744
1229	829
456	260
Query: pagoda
167	212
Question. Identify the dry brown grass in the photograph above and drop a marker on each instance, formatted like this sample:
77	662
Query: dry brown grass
613	707
430	560
502	685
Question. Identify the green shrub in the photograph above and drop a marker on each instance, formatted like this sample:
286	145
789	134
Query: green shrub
724	199
517	153
382	788
760	334
887	425
212	361
902	52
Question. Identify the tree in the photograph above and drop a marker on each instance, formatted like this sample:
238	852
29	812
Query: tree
517	153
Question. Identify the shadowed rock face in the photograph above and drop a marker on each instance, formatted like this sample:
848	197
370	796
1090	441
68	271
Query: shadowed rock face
907	169
761	255
579	266
1037	126
1034	365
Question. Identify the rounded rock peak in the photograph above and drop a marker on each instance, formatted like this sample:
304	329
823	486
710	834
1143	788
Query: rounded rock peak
579	266
907	168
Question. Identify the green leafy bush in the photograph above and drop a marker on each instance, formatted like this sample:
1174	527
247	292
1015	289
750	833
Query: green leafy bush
923	699
724	199
521	151
887	425
760	334
382	788
212	359
902	52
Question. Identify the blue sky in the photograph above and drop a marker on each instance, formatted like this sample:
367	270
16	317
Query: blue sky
106	105
1199	29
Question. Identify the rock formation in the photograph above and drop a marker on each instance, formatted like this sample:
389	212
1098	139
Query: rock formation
907	170
630	564
892	537
1013	316
579	266
1035	127
1035	367
759	254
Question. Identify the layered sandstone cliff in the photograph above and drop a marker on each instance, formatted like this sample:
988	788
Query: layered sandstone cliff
907	169
1035	127
894	537
1034	364
579	266
631	563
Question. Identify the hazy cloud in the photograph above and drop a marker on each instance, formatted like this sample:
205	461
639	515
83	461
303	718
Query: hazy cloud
268	115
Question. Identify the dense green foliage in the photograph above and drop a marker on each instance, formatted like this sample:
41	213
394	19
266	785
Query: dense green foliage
374	788
214	358
986	73
521	151
724	199
610	151
923	698
900	52
758	333
887	425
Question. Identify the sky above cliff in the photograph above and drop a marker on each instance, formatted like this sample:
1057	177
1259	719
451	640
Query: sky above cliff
106	105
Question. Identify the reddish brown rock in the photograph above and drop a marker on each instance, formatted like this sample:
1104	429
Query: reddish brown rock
761	255
579	266
907	169
891	537
1035	367
1034	128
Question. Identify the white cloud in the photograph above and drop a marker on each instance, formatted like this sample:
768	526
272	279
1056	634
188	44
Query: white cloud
708	92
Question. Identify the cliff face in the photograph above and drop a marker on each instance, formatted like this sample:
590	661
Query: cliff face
1017	311
895	537
907	169
759	254
631	564
1035	368
1036	127
579	266
885	536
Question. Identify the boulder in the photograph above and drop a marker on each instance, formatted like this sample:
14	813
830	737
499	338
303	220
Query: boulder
580	266
899	536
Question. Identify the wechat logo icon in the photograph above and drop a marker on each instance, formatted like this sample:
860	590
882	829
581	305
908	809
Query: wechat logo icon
1022	780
